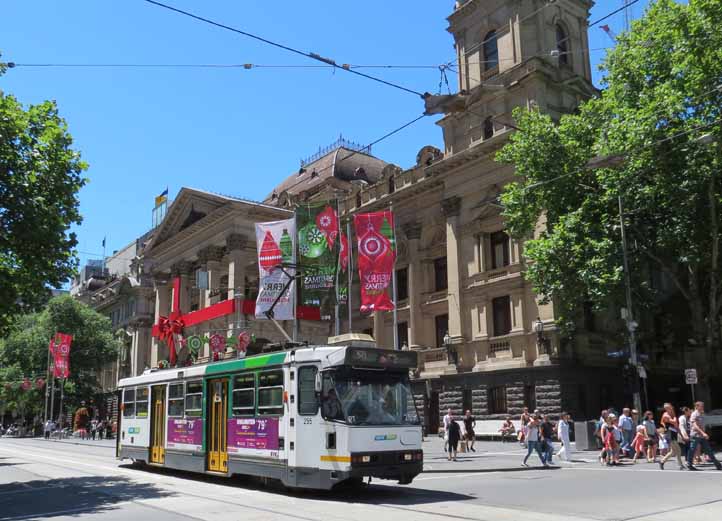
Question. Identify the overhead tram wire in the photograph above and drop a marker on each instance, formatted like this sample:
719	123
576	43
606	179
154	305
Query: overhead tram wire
213	66
311	55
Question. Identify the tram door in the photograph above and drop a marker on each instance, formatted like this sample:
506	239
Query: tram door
157	424
217	425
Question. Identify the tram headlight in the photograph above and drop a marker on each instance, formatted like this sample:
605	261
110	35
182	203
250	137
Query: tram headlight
408	456
365	459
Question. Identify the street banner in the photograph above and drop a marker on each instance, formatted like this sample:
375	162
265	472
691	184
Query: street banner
376	258
276	245
60	348
318	247
342	292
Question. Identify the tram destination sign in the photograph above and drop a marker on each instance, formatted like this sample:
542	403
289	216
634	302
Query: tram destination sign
383	358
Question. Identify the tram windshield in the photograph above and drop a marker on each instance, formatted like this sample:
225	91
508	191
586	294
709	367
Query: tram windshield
365	397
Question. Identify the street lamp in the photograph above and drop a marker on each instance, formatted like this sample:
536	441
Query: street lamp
539	329
450	353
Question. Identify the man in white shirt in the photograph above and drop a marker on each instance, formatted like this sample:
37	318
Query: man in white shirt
627	426
447	421
563	437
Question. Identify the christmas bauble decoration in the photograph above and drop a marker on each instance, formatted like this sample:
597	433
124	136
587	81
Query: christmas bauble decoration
217	343
311	242
271	255
195	344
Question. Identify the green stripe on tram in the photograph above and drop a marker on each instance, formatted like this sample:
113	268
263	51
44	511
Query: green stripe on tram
246	363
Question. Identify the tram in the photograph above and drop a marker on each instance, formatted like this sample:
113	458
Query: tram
310	417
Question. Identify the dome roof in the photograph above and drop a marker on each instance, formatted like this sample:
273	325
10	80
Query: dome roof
341	163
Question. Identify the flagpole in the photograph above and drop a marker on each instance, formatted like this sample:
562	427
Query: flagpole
349	268
47	389
52	399
393	282
62	395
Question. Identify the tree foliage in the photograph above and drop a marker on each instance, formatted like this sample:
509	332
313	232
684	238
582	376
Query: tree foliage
662	93
24	352
40	175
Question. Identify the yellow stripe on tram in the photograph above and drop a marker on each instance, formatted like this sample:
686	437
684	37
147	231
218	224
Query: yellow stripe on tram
338	459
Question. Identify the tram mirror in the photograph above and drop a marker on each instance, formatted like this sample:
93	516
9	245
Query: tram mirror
317	383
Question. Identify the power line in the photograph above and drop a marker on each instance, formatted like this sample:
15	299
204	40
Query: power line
626	4
212	66
311	55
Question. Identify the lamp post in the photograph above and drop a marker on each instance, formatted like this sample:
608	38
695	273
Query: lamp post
450	354
539	329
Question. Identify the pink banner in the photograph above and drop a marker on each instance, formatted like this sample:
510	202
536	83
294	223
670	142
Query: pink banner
376	258
185	433
252	433
61	355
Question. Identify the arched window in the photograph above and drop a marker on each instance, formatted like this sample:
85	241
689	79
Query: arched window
488	128
562	45
392	185
491	51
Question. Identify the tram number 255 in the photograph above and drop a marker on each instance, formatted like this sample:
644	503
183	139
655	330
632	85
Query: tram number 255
308	421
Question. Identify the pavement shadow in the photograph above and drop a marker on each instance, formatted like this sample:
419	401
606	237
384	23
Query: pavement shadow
376	493
71	496
490	470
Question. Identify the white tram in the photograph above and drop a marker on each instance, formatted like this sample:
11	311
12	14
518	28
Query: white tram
310	417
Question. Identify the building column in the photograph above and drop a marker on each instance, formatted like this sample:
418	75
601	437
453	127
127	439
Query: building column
183	269
211	258
235	244
162	309
379	329
413	235
451	209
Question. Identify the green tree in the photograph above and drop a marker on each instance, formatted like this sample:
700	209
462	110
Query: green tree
662	93
40	175
24	352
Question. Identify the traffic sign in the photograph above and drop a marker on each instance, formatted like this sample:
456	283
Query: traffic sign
690	376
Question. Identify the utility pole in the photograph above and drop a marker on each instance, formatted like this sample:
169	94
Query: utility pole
631	324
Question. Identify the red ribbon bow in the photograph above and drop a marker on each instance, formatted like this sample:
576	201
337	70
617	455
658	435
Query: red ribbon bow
168	327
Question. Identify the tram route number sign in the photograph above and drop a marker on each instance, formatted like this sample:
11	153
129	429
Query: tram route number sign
690	376
384	358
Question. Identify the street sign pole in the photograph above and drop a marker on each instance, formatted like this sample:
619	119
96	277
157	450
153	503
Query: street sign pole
690	376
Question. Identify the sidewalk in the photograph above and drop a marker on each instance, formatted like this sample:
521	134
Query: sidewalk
78	441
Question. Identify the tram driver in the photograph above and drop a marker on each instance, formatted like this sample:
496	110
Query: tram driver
331	406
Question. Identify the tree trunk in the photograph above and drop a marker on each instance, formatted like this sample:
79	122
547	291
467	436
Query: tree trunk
711	343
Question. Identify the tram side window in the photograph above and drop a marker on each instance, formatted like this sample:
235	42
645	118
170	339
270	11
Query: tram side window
141	402
307	399
175	400
244	390
128	403
194	399
270	393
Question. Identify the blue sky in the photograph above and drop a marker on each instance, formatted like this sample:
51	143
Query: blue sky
231	131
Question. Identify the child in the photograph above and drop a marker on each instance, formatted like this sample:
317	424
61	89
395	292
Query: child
638	442
663	441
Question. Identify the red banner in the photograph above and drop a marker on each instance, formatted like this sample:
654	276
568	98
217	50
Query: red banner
60	348
376	258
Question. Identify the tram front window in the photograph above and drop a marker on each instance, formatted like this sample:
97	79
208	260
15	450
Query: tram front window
360	397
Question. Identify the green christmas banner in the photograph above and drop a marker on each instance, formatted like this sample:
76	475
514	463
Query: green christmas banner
318	248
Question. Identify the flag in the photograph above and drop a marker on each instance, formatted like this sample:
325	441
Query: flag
61	355
163	197
318	254
376	259
276	245
342	273
103	242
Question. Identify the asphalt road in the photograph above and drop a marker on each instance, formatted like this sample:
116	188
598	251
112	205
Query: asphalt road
57	480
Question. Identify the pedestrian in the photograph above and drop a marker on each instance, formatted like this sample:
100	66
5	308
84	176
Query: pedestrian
563	437
639	443
670	423
601	422
651	436
532	440
507	429
454	431
699	438
524	420
547	441
48	428
469	424
684	430
604	429
93	428
612	441
627	425
448	418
